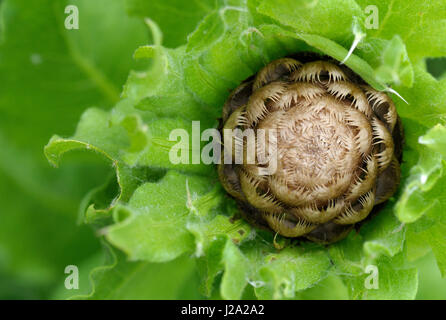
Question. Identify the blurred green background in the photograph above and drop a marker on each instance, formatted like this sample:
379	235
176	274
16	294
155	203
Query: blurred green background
48	77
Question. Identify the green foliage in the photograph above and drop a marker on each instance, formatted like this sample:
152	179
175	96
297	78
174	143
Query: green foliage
185	212
168	221
418	23
308	16
177	18
49	76
120	279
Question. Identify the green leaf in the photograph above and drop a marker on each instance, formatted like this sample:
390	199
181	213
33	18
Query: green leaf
395	279
437	240
338	52
155	230
236	272
432	227
315	17
207	230
380	244
169	14
396	67
49	76
425	100
291	270
419	195
125	138
119	279
384	235
330	288
395	282
431	287
435	139
420	25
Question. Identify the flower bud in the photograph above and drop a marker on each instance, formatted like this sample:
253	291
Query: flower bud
334	153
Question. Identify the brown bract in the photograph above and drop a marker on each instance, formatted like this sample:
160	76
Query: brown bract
337	148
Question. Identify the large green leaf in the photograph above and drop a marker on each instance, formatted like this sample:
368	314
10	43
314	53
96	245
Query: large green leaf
49	76
176	18
323	18
119	279
419	23
155	229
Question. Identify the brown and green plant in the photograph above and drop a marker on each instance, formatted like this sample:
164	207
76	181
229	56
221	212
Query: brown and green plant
338	148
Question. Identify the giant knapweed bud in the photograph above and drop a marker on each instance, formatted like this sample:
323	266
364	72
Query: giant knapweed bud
337	148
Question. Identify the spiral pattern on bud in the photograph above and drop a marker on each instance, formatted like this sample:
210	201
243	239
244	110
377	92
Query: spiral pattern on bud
337	145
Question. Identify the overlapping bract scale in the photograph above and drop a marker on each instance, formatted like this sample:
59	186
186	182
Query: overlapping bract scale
335	156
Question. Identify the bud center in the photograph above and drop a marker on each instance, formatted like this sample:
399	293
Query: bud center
315	146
